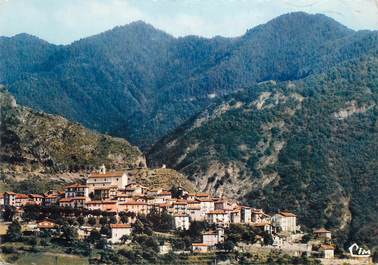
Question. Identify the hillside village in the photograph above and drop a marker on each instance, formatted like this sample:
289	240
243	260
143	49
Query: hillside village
111	193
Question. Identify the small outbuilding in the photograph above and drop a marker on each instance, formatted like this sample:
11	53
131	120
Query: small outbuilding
327	251
46	225
323	233
118	231
200	247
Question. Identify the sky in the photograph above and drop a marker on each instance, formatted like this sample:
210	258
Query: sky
64	21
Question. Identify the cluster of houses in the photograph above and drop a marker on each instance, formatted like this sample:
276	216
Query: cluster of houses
111	192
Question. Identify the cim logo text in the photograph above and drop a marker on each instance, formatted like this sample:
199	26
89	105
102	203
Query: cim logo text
356	251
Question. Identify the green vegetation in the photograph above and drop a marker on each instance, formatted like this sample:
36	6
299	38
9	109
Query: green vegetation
138	82
311	148
62	244
45	258
40	145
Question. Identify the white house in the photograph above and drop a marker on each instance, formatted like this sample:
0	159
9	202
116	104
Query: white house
218	217
195	212
199	247
246	214
118	231
206	205
182	221
76	190
212	238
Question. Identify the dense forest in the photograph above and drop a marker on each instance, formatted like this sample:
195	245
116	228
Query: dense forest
138	82
309	146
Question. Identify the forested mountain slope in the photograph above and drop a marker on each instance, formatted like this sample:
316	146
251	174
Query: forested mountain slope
138	82
37	144
309	146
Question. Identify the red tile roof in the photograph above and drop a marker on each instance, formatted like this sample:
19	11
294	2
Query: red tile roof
287	214
120	226
327	247
101	202
321	230
180	203
205	200
202	195
107	174
76	186
22	196
46	224
35	196
133	203
199	245
216	212
65	200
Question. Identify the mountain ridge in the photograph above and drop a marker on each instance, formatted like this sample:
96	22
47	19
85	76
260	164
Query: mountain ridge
39	144
140	83
308	146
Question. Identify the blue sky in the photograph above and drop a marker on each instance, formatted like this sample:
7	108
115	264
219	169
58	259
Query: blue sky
63	21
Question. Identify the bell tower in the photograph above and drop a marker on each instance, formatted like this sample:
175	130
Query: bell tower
102	169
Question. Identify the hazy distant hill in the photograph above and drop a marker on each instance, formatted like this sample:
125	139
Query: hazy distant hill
138	82
310	146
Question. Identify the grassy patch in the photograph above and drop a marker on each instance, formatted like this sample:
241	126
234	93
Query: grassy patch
3	229
46	259
4	187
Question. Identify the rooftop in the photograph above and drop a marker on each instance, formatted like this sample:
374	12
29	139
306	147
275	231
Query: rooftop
321	230
327	247
76	186
107	174
287	214
120	226
199	245
216	212
22	196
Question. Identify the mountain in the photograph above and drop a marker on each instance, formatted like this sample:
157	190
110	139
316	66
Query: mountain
309	146
39	144
140	83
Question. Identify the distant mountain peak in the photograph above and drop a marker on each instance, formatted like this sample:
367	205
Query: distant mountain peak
302	21
26	37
